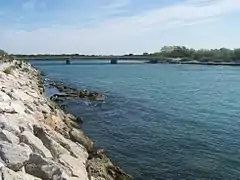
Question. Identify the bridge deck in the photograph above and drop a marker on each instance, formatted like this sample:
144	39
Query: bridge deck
72	58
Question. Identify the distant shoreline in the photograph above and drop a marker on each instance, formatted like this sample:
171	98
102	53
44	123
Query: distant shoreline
146	60
205	63
167	54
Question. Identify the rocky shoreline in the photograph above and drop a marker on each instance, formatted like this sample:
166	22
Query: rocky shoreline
38	140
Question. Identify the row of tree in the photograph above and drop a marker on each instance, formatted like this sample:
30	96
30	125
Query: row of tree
222	54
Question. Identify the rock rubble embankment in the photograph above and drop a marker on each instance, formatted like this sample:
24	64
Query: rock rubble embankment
40	141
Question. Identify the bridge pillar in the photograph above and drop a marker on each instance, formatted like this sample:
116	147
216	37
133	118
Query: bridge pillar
68	61
114	61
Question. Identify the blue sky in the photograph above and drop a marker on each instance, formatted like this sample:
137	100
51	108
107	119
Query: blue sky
117	26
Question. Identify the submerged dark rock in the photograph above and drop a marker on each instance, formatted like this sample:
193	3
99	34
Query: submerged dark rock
70	93
99	165
62	87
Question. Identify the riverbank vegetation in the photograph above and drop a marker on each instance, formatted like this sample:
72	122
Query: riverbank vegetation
203	55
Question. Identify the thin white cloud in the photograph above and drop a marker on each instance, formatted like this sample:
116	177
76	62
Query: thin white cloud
130	34
29	4
189	11
32	4
116	4
111	9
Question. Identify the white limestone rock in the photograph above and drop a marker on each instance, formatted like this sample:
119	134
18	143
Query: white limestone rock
77	168
9	137
9	124
21	95
55	148
35	144
46	168
75	149
14	155
4	97
5	107
18	107
8	174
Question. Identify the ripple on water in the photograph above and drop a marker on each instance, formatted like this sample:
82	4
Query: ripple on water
162	121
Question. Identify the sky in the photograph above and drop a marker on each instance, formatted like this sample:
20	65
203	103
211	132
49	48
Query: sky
116	26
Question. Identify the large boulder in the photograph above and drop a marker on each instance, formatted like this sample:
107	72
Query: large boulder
4	97
71	117
9	125
56	123
78	136
100	166
17	123
8	174
18	107
33	94
77	167
35	144
8	136
75	149
55	148
5	107
12	107
72	121
45	109
14	155
21	95
46	168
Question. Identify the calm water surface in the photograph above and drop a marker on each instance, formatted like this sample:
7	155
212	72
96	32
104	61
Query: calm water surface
161	121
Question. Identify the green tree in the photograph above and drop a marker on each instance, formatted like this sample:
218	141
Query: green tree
237	54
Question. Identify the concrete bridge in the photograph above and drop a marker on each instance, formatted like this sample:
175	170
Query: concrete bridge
71	58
